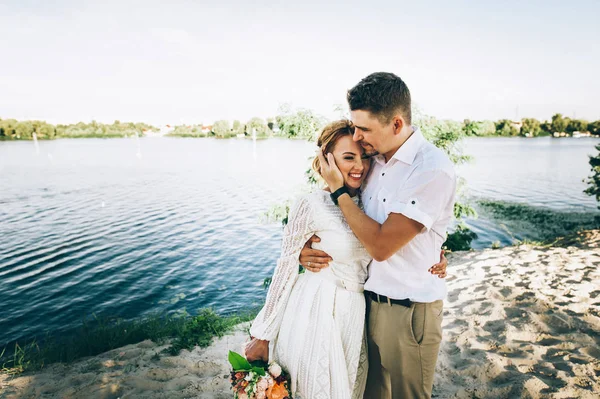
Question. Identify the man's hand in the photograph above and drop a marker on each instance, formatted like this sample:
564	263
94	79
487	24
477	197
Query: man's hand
257	349
312	259
440	268
330	171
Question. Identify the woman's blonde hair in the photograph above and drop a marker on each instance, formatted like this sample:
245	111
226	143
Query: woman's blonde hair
329	137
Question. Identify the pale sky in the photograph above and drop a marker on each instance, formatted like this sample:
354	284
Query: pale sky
197	62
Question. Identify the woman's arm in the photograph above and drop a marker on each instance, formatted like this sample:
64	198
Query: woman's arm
299	228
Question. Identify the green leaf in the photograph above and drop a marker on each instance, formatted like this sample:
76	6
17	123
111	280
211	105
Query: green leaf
238	362
259	370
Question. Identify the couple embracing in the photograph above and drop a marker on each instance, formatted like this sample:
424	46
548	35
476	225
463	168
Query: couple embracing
368	241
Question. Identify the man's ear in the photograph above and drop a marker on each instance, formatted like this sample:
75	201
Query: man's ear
398	124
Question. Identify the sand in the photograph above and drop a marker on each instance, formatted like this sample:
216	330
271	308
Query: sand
135	371
523	322
520	322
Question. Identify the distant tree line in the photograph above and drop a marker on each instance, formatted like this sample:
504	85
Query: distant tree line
300	123
11	129
225	129
531	127
289	123
303	123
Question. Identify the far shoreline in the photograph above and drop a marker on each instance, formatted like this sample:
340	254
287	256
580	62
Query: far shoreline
263	138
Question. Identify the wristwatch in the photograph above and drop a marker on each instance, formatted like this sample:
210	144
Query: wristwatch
338	193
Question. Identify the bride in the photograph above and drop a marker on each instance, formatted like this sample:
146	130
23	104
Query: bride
312	324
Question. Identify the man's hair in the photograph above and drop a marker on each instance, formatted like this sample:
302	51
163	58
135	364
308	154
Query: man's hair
383	94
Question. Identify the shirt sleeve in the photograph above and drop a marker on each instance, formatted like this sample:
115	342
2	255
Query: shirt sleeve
299	229
424	196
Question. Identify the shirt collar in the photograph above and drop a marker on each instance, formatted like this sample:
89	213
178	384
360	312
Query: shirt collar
408	151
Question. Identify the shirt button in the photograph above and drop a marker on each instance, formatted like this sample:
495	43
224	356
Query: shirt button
370	197
413	202
384	200
383	174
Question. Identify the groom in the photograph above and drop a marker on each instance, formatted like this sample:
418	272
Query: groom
408	202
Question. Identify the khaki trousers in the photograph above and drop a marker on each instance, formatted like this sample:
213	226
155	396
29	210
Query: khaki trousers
403	346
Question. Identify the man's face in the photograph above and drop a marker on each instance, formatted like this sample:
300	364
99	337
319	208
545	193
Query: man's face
370	133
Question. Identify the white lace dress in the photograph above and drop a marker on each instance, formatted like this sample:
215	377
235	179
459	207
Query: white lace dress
315	321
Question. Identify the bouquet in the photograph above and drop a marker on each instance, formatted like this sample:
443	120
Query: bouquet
258	380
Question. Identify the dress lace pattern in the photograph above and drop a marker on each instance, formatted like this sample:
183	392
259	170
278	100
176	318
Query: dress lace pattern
316	328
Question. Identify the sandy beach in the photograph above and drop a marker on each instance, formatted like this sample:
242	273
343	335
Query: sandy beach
520	322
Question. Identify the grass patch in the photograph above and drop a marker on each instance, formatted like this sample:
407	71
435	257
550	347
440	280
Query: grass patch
200	330
103	334
539	225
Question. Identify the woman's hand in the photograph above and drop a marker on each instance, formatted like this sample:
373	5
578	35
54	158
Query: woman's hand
330	171
257	349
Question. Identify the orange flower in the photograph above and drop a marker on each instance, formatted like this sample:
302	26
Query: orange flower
277	391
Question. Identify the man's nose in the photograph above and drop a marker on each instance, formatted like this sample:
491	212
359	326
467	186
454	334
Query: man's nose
357	136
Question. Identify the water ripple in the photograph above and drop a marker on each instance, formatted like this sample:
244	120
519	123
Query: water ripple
98	230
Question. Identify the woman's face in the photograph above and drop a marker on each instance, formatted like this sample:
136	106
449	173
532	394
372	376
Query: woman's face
352	162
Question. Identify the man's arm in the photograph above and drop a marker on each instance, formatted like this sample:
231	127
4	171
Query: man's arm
315	260
404	221
380	240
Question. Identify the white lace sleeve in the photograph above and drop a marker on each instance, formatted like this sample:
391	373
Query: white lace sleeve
295	234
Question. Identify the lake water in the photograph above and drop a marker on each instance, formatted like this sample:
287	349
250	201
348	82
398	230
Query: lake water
126	226
540	172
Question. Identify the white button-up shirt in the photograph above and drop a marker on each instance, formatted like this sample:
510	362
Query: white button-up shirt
418	182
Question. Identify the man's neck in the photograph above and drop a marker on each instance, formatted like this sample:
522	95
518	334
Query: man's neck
402	138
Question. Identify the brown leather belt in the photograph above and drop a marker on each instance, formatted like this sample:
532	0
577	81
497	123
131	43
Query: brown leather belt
384	299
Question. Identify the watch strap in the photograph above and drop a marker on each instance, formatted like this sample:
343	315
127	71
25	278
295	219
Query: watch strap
338	193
